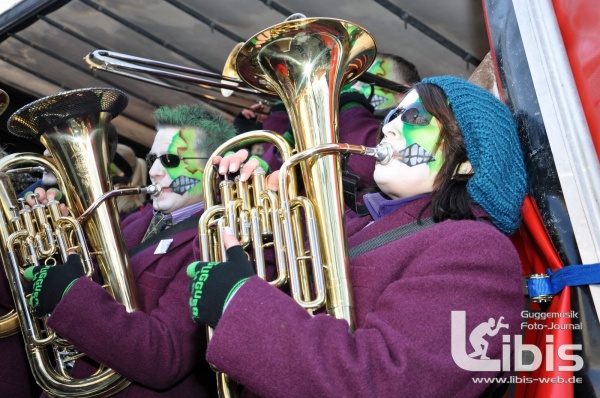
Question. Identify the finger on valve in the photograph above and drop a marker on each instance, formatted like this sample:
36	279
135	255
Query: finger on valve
231	163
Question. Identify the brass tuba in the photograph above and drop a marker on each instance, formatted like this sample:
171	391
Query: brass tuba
305	62
73	126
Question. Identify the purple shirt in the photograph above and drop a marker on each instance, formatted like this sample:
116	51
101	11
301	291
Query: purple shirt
186	212
379	206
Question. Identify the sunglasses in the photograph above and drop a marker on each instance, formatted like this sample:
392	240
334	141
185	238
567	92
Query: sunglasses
413	115
168	160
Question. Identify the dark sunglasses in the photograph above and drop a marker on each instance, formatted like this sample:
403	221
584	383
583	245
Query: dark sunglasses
168	160
414	115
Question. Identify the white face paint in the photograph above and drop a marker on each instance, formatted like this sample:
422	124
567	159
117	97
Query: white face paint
398	179
189	172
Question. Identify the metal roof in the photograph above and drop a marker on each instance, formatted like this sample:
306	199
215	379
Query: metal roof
43	43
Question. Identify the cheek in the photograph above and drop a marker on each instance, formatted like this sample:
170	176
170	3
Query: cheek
196	190
389	102
183	172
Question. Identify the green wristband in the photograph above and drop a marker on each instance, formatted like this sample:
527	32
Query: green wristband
264	165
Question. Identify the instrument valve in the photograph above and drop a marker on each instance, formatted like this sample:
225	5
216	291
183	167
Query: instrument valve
23	206
15	219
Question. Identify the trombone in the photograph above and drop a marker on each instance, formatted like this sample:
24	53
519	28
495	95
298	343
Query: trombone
149	71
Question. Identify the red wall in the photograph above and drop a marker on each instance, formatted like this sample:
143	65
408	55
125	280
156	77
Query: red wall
579	22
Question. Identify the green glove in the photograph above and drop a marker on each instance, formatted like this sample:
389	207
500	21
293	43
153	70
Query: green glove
213	284
50	283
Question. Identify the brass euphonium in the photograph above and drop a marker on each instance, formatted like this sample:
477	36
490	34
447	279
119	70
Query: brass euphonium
74	127
305	62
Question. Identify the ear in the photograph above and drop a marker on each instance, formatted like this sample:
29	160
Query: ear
464	168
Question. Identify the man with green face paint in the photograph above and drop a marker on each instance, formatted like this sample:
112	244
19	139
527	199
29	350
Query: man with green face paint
395	69
177	157
157	346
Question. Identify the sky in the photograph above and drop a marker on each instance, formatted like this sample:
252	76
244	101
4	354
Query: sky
7	4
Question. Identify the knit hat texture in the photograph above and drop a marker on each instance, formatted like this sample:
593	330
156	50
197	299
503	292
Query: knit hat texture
499	183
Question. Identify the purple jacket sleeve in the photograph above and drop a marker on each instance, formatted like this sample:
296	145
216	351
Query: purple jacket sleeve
156	347
401	347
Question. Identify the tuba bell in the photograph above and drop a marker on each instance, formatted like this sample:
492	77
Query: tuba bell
305	62
74	127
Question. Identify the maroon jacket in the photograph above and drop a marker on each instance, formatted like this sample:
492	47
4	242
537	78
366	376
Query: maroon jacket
405	292
156	347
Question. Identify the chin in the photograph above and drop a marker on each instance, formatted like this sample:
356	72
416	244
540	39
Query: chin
168	202
162	204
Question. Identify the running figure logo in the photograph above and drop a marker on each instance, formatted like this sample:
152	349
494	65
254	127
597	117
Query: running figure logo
484	329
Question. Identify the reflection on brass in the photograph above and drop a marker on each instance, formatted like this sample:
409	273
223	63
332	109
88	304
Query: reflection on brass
229	71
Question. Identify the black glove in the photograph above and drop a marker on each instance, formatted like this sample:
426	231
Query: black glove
213	284
50	283
243	125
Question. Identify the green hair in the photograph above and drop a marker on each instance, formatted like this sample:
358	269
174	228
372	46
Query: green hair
216	128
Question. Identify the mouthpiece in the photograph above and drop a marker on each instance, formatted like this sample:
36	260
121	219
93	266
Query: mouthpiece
152	190
383	153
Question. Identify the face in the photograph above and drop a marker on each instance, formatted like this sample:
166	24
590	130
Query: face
181	185
417	163
382	98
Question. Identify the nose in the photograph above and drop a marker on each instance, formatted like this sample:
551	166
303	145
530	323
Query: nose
389	134
156	170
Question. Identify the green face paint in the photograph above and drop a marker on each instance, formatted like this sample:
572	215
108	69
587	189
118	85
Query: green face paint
420	140
384	69
382	98
426	137
183	145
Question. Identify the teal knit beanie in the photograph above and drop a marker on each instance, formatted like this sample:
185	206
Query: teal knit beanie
499	182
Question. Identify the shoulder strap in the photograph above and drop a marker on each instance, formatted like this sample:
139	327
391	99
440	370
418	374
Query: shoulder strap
390	236
186	224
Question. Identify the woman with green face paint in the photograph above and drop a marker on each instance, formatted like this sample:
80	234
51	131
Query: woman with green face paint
429	263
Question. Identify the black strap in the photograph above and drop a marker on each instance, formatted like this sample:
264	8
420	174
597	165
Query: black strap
186	224
390	236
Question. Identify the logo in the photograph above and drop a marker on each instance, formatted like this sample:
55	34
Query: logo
527	357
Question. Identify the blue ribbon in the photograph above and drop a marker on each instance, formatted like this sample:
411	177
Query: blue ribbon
572	275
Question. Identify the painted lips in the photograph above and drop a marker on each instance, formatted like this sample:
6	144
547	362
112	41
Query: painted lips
415	155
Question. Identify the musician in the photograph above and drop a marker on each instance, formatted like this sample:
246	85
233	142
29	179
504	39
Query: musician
395	69
458	179
155	347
